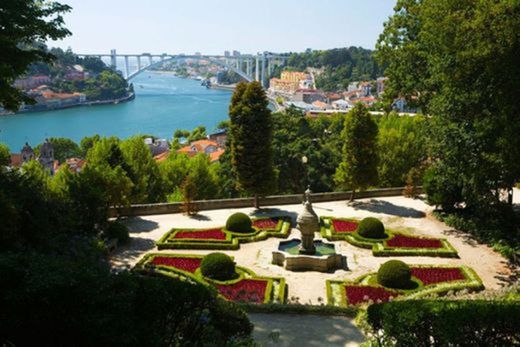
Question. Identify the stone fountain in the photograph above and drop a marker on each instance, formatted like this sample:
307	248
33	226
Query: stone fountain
307	254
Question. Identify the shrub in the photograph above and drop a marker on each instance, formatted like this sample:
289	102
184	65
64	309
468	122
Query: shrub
119	231
448	323
218	266
240	223
442	187
394	274
371	228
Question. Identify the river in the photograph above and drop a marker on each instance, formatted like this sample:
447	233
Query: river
163	104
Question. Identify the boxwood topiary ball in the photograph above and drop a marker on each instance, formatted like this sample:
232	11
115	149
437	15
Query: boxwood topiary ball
394	274
218	266
240	223
371	228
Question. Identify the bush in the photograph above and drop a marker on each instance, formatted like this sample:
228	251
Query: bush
442	187
394	274
240	223
371	228
218	266
448	323
119	231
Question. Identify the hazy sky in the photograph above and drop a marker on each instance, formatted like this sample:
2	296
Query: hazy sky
212	26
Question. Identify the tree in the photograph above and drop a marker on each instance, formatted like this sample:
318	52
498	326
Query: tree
458	60
5	155
64	148
358	169
189	192
251	135
87	143
23	23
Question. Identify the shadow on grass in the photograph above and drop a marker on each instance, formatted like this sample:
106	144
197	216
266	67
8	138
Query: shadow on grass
381	206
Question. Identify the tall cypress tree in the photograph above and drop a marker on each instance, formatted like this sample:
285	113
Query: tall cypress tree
358	169
251	132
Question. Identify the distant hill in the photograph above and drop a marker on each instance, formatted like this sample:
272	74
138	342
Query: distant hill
339	66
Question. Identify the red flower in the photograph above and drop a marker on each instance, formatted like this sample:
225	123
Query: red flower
247	290
413	242
185	264
359	294
344	226
434	275
269	223
209	234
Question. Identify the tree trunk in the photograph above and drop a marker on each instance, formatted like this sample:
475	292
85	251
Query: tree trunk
352	194
510	196
257	201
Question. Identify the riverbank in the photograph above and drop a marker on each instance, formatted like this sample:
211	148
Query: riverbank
129	97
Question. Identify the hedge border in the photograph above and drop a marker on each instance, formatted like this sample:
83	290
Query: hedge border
232	241
379	247
144	266
471	282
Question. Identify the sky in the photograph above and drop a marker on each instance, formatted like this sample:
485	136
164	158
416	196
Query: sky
212	26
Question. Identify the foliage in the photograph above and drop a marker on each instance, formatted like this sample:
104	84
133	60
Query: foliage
251	137
5	155
189	192
119	231
87	143
358	169
218	266
64	148
443	186
394	274
457	60
198	133
23	23
239	222
456	322
340	66
371	228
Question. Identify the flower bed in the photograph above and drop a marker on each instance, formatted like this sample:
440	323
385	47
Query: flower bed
248	288
431	279
413	242
181	263
358	294
344	226
220	238
395	244
437	275
209	234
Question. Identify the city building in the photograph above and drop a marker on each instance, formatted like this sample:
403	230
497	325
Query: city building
342	104
308	95
226	54
26	155
236	53
208	147
353	86
31	82
366	88
46	157
219	137
381	85
157	146
290	81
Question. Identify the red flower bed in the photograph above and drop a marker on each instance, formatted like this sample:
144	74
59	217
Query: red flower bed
210	234
413	242
344	226
247	290
266	223
186	264
437	275
359	294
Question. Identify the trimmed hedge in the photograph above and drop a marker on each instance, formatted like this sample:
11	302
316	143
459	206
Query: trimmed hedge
394	274
371	228
218	266
448	323
239	223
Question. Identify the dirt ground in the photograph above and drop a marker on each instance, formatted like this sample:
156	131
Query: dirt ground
397	213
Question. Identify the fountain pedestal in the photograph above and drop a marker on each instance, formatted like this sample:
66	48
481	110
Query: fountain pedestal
306	254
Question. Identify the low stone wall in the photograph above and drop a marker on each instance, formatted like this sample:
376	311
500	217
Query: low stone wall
166	208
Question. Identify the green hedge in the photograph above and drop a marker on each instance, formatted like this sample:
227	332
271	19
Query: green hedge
445	323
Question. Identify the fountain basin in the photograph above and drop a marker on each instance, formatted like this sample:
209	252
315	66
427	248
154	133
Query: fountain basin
325	258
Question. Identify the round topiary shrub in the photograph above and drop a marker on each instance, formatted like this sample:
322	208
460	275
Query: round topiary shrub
395	274
371	228
240	223
218	266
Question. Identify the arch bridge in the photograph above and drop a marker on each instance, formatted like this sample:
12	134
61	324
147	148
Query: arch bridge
251	67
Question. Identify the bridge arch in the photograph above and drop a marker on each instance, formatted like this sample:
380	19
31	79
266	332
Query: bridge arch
172	58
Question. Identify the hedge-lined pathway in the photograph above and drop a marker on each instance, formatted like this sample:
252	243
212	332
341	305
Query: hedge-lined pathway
275	329
397	213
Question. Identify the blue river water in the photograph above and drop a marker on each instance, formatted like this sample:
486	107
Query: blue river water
163	104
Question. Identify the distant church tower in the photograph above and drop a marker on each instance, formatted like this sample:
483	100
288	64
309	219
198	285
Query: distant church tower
46	157
27	153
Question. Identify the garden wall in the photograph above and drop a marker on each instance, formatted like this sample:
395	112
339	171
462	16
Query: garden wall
165	208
